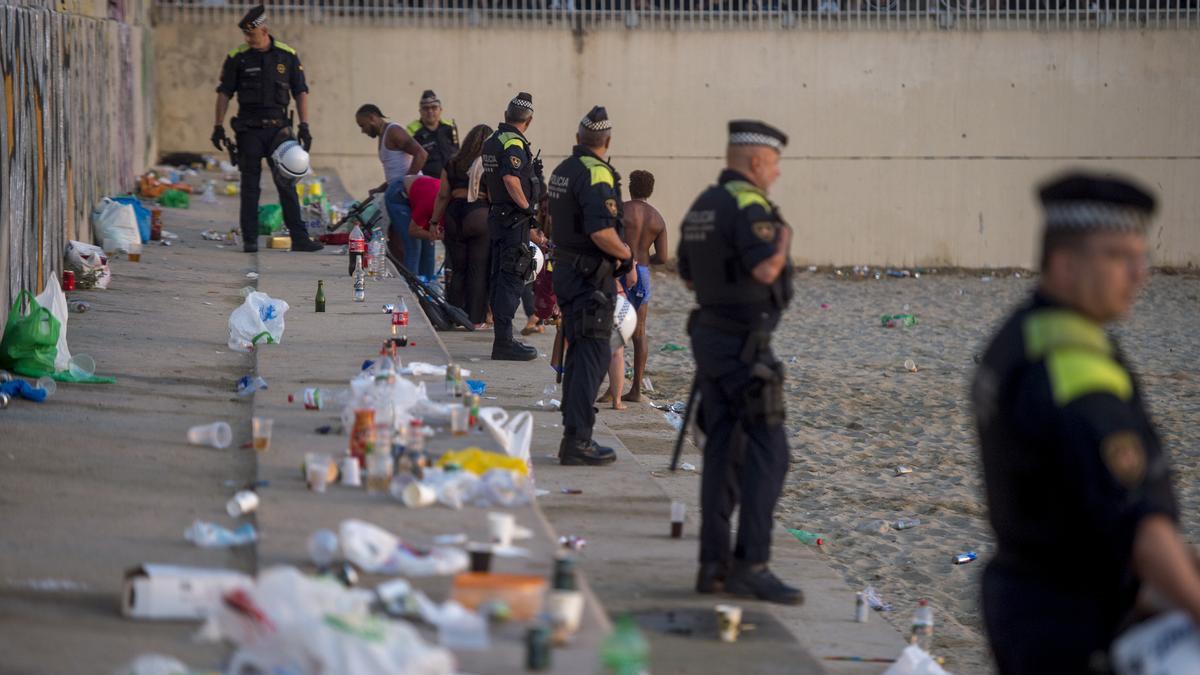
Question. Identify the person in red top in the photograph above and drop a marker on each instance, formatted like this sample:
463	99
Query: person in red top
421	193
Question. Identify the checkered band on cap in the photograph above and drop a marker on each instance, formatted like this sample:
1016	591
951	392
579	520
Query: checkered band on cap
751	138
1082	216
592	125
522	103
430	98
255	23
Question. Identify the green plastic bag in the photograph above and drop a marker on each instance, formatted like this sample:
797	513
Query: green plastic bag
30	343
175	199
270	218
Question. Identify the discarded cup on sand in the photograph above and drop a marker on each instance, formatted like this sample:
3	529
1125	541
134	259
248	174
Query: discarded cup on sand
566	611
502	527
316	470
217	435
82	366
245	501
351	472
46	382
417	495
729	622
678	514
260	428
910	365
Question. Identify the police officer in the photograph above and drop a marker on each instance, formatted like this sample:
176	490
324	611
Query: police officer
734	255
265	74
1077	481
513	189
437	136
590	251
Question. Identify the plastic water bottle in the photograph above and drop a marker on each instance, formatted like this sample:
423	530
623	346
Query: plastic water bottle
360	282
922	626
626	651
376	252
357	247
209	196
322	548
906	523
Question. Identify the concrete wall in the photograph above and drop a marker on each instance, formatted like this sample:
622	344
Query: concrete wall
76	124
908	148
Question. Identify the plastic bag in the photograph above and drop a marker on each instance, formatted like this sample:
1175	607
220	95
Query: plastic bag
142	213
175	199
270	218
1167	644
378	551
915	661
479	461
116	226
89	265
259	319
52	298
29	346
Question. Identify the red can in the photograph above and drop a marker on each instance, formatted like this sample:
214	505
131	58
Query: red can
68	280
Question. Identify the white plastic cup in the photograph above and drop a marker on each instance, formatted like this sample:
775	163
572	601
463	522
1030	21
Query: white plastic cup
459	416
678	515
566	611
82	366
418	495
502	526
316	471
243	502
910	365
351	473
260	432
46	382
729	622
217	435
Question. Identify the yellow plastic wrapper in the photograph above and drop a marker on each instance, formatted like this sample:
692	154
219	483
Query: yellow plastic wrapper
479	461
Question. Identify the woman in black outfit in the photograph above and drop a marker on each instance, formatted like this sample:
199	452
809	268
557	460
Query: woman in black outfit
466	229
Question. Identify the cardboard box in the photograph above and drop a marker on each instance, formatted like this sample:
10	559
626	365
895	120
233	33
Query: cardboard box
175	592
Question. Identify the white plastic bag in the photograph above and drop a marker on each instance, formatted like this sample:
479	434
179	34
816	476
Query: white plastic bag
52	298
259	319
378	551
83	259
116	225
514	434
915	661
1165	645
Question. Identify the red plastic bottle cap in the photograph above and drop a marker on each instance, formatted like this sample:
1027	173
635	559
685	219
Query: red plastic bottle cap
820	542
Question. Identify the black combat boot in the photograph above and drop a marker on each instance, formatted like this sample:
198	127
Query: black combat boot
711	577
306	245
513	351
577	452
759	582
250	247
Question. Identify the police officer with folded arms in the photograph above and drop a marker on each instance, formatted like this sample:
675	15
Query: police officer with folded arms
1078	484
734	255
265	74
436	135
590	252
513	189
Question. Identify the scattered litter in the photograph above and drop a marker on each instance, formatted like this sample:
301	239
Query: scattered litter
48	585
898	320
477	387
572	541
910	365
373	549
571	491
915	661
420	368
903	470
25	390
965	557
154	664
906	523
876	603
251	275
985	279
258	319
674	419
79	306
173	592
824	305
210	535
806	537
247	385
687	466
671	347
812	268
647	385
875	526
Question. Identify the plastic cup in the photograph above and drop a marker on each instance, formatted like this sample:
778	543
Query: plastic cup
481	557
459	418
260	428
245	501
217	435
379	472
135	257
678	515
729	622
46	382
502	526
910	365
351	472
566	610
417	495
316	471
82	366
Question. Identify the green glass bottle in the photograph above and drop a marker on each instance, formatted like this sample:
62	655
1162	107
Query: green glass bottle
320	295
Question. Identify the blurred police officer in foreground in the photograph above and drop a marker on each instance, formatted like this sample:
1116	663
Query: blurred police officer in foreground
513	190
734	255
265	74
1078	484
590	251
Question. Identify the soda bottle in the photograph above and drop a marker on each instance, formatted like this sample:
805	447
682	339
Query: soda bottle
400	322
922	626
360	282
625	652
320	295
357	247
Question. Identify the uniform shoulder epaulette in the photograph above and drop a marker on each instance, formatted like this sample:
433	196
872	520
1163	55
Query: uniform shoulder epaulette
413	127
599	170
285	47
450	124
747	194
509	139
1078	356
238	49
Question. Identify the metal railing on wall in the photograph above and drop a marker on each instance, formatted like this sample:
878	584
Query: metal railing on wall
716	14
67	126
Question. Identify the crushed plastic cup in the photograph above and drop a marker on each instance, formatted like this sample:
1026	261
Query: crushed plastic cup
910	365
46	382
82	366
245	501
217	435
729	622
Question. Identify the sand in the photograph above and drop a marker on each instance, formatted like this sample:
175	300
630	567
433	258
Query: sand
855	413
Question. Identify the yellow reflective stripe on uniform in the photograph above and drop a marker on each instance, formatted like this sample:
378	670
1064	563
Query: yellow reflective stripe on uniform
1076	372
413	127
238	50
599	170
1047	330
284	46
747	195
511	141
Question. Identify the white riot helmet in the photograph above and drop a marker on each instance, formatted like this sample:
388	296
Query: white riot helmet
624	318
290	160
539	261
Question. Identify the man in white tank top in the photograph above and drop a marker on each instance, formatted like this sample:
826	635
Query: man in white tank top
401	156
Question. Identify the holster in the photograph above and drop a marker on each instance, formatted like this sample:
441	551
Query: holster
762	403
593	318
594	269
516	260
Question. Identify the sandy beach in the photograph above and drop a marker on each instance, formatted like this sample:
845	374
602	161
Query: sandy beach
855	413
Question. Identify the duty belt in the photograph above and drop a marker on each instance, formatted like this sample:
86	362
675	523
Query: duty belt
757	339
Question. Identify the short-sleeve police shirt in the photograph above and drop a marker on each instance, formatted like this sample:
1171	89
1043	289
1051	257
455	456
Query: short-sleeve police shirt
265	81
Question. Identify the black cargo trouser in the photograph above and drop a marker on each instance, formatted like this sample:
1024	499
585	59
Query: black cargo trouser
254	145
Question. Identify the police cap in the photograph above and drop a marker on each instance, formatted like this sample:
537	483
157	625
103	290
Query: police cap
754	132
523	100
596	120
256	17
430	98
1084	202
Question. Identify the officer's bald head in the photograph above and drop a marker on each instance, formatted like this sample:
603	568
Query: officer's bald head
758	163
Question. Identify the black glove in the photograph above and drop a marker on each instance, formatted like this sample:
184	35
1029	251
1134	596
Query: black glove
218	136
304	136
623	267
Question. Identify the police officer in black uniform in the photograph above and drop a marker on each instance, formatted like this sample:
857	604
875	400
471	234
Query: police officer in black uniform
264	73
437	136
734	255
1077	481
589	252
513	188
